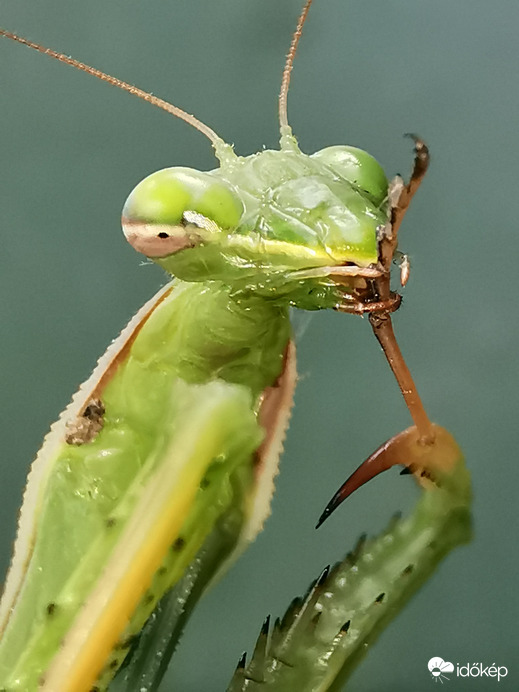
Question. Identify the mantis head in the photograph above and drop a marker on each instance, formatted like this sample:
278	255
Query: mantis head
301	225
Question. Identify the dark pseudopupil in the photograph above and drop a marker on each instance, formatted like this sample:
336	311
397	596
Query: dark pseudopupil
162	234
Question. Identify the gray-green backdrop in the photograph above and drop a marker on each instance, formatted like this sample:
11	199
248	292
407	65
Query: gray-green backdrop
368	71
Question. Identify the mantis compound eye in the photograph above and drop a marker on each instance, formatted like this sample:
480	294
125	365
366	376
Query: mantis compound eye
176	208
358	167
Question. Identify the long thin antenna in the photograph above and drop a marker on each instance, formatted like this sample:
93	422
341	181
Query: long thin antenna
285	79
135	91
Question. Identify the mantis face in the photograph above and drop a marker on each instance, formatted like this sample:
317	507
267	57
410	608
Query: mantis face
275	221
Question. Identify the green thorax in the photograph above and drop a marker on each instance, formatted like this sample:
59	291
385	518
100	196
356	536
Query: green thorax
205	333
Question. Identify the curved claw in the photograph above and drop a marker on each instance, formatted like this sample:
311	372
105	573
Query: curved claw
424	459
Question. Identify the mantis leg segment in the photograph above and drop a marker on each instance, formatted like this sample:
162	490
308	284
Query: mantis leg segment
380	306
421	164
424	446
403	194
383	329
381	322
425	461
323	635
388	301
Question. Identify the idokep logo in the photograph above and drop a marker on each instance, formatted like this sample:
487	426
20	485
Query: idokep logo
438	667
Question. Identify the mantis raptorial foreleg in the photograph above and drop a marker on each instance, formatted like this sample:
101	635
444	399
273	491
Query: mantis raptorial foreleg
323	635
424	448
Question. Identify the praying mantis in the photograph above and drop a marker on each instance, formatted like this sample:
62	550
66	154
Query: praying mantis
181	425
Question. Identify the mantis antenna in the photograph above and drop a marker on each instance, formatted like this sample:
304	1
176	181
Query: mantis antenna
211	135
285	79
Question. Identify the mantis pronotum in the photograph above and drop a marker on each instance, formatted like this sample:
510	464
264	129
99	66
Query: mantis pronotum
180	427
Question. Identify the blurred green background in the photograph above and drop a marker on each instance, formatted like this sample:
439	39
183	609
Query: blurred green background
368	71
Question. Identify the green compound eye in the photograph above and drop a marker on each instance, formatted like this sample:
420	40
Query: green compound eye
357	167
162	214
